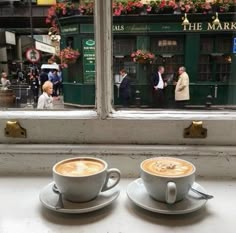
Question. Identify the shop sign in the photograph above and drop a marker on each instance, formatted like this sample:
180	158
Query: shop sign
89	60
10	38
72	29
45	47
136	28
160	27
33	55
234	45
46	2
223	26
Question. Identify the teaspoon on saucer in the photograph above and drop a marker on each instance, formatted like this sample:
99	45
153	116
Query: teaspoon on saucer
203	195
59	204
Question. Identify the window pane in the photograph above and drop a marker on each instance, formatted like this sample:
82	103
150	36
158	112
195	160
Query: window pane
199	48
215	59
28	55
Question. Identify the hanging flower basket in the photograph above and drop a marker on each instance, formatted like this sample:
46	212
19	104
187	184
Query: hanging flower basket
69	55
143	57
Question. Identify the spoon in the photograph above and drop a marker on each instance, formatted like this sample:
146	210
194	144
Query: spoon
204	195
59	204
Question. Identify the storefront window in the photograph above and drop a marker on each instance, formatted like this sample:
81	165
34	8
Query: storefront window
203	49
215	59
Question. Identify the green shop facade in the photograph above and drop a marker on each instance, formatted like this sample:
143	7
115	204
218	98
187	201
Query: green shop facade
207	50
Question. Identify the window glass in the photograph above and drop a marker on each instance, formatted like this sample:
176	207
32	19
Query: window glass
171	38
61	50
215	59
195	57
204	47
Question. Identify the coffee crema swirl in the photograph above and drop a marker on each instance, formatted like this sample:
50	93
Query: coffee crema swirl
80	168
168	167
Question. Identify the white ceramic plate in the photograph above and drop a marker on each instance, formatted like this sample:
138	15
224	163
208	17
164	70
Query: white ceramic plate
138	195
49	199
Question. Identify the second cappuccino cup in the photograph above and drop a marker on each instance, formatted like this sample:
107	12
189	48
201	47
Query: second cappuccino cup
167	179
81	179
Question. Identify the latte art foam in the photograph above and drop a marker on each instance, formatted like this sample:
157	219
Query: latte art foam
80	168
168	167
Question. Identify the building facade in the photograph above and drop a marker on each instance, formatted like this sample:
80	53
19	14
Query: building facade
206	49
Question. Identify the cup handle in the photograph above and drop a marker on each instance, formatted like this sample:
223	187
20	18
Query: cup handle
171	192
110	172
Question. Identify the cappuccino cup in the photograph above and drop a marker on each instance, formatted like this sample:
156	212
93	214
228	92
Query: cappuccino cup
81	179
167	179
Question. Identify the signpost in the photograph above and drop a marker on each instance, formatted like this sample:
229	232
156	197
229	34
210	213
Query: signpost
89	60
33	55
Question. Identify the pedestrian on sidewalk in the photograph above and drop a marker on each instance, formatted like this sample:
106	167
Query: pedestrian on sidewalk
45	100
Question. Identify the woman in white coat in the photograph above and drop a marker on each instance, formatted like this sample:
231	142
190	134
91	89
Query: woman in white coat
182	88
45	100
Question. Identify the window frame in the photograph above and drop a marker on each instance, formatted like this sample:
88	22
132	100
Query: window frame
158	127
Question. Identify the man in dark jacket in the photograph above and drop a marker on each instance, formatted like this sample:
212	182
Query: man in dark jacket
55	79
43	77
125	88
158	86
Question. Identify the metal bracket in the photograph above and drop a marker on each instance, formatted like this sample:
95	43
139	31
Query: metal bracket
14	130
195	130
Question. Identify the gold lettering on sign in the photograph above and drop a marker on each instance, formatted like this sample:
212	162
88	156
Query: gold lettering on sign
223	26
219	27
210	26
228	26
233	25
118	27
193	27
199	26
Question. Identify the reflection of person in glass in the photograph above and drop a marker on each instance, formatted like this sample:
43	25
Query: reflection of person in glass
125	88
158	86
182	88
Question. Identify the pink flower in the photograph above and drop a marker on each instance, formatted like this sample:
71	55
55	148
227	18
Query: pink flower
142	55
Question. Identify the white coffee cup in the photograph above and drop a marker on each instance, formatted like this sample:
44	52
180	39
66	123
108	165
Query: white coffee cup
81	179
167	179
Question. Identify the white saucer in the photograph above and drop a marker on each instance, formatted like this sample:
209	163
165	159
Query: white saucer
137	193
49	199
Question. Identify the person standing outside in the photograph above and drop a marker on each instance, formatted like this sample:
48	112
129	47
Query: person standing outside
45	100
125	88
43	77
182	88
59	73
34	86
158	86
5	81
54	78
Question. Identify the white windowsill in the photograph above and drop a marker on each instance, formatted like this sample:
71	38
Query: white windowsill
22	212
210	161
137	114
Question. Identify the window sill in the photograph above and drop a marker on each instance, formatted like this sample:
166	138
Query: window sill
210	161
173	115
148	127
147	114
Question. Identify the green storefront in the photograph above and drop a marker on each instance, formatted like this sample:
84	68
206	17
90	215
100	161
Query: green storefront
207	50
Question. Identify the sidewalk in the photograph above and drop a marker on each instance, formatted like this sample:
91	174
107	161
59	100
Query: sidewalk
58	102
